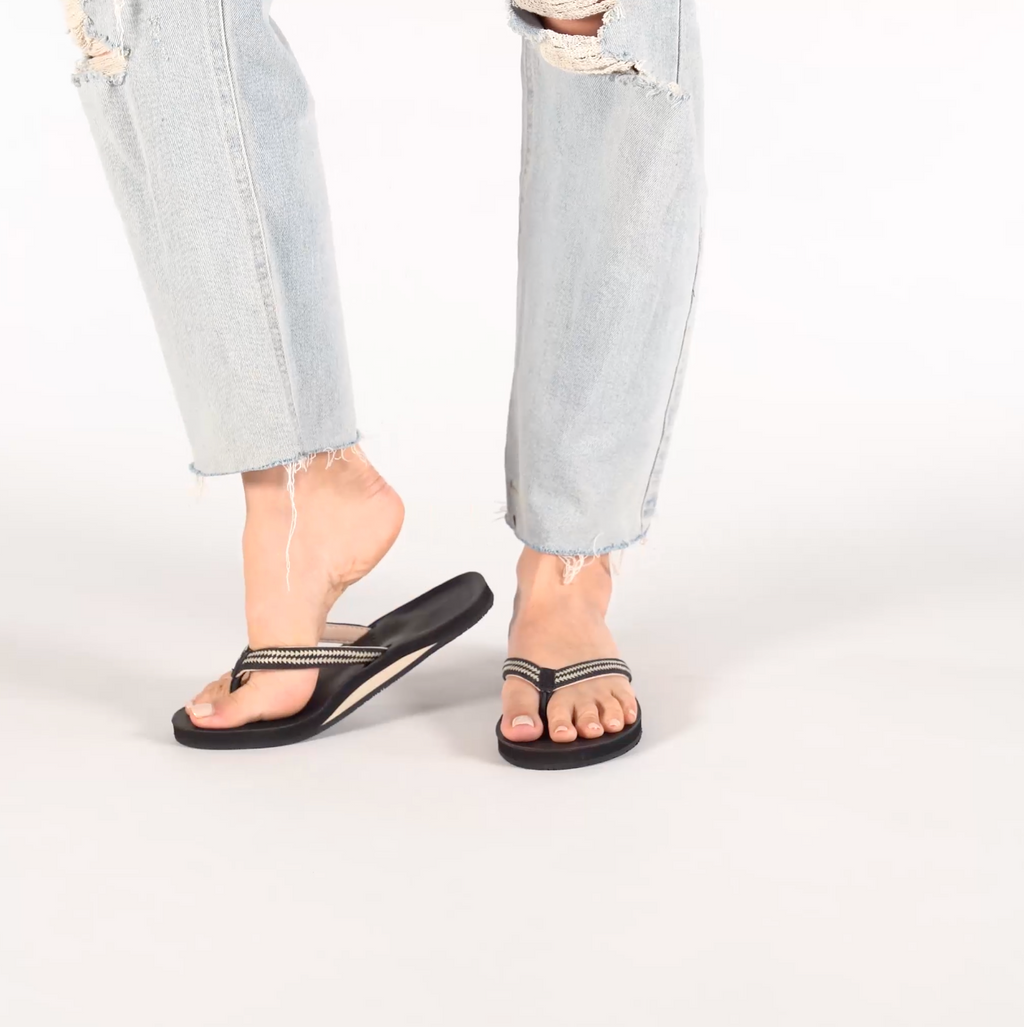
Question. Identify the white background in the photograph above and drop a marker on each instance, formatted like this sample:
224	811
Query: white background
823	825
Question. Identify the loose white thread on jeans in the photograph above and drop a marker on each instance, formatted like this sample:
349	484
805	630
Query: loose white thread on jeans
292	468
572	566
342	454
119	6
291	528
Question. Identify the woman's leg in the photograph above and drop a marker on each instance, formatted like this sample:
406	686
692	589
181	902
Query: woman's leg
611	217
205	126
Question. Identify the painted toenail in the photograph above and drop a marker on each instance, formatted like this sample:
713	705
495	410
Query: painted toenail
201	709
523	721
615	723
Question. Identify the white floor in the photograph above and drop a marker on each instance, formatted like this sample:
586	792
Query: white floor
823	824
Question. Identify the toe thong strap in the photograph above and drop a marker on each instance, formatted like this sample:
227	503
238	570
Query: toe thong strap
548	681
591	669
301	657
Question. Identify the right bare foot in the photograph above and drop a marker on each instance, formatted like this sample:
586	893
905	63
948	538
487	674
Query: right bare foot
348	518
556	625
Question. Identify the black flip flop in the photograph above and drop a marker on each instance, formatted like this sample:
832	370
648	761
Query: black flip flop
355	662
544	754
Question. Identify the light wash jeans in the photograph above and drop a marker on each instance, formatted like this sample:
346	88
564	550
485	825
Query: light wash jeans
205	126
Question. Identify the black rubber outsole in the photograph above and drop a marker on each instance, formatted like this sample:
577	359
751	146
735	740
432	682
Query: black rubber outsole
289	731
545	754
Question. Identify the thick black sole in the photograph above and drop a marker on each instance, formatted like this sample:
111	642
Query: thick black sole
286	733
545	754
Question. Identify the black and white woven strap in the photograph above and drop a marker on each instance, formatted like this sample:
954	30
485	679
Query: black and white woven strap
294	657
547	680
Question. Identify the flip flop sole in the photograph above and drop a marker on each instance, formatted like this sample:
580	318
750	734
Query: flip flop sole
545	754
329	706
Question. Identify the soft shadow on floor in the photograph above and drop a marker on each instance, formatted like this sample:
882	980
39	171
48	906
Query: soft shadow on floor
456	692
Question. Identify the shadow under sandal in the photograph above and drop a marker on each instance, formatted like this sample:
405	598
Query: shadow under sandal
356	662
544	754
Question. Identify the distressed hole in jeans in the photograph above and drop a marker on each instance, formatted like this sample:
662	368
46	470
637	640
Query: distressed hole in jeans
101	56
583	54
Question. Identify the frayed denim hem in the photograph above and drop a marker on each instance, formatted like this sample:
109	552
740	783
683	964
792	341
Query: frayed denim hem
285	462
573	554
575	561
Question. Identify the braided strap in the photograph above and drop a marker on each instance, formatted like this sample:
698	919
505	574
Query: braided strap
591	669
286	657
547	680
521	669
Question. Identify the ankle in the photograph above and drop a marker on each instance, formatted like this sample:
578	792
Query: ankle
541	580
349	476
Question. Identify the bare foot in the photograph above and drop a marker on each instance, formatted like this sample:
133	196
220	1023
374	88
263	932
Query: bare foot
555	625
348	517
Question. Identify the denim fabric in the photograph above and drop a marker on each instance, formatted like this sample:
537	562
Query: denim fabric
610	226
206	129
211	148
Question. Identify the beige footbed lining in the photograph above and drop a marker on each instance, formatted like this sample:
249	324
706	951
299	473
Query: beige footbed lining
378	680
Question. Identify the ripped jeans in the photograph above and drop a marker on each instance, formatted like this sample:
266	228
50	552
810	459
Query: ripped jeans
205	127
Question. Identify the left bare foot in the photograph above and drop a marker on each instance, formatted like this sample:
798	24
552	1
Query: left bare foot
348	518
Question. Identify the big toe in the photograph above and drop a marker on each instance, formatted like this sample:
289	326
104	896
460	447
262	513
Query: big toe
520	715
267	695
213	691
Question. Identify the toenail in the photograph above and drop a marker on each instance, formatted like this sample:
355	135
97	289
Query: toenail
523	721
615	723
562	730
201	709
595	727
